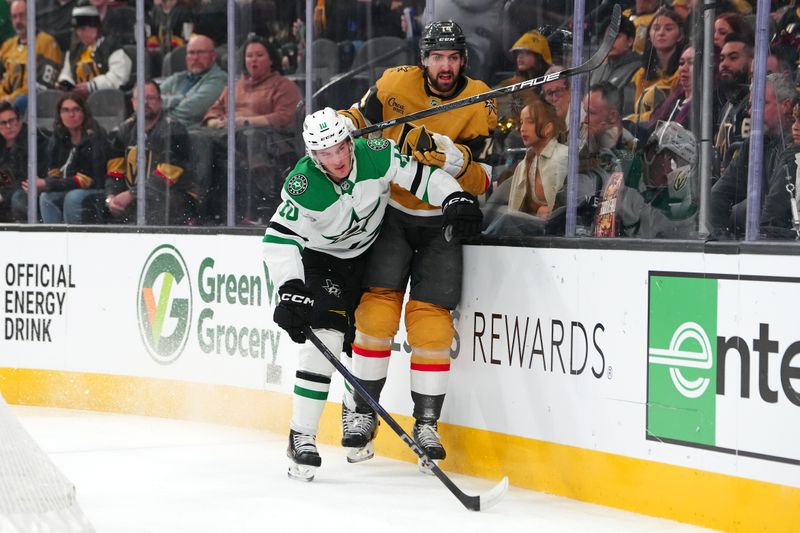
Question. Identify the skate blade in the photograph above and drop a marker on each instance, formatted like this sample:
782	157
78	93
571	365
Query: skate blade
357	455
425	466
301	472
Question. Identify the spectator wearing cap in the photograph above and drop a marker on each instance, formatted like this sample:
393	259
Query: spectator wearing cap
620	65
95	62
532	56
14	58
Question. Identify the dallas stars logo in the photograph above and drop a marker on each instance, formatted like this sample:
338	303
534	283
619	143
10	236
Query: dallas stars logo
332	289
297	185
356	227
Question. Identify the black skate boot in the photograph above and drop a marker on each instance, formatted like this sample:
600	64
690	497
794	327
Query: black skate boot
303	454
358	433
427	436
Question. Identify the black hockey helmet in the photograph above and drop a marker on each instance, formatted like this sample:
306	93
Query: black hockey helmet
442	35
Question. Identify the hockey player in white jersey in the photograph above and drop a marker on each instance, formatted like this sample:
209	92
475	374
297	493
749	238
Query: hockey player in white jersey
333	205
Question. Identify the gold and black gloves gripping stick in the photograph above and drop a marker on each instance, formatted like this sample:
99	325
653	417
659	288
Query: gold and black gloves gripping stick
437	150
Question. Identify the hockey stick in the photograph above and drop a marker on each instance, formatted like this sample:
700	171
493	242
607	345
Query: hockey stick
347	75
473	503
595	61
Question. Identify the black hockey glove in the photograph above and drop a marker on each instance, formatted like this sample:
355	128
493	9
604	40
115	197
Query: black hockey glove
294	309
462	216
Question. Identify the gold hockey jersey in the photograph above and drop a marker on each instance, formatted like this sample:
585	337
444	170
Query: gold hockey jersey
14	56
401	91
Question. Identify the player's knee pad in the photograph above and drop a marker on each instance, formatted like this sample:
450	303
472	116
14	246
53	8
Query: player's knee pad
371	357
428	326
311	360
378	313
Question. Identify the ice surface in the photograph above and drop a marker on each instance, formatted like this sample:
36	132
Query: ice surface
140	474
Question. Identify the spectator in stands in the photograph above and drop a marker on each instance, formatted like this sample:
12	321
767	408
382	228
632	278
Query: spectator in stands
734	89
116	20
169	20
95	62
620	65
532	58
729	193
787	34
264	97
779	219
727	23
266	103
556	93
55	17
14	57
172	195
188	95
75	155
659	71
678	104
642	15
536	180
776	63
606	147
14	163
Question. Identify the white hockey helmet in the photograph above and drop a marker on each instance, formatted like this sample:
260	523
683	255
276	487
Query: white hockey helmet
671	136
323	129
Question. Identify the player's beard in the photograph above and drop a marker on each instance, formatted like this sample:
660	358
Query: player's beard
440	88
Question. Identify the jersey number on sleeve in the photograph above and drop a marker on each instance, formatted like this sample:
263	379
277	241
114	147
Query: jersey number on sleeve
288	210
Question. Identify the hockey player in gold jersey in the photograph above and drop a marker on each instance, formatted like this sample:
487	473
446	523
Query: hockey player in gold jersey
411	244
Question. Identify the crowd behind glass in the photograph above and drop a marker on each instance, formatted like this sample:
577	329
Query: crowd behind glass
639	171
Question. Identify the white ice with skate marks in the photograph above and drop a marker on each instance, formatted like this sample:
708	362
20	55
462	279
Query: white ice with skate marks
151	475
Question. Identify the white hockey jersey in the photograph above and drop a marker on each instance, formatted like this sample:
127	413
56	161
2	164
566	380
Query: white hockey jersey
344	219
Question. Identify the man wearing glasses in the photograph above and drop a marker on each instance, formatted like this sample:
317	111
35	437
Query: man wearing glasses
187	95
556	93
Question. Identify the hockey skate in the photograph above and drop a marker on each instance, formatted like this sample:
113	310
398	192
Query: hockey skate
427	436
358	434
303	454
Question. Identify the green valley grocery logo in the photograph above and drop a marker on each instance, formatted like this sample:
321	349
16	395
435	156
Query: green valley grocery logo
164	304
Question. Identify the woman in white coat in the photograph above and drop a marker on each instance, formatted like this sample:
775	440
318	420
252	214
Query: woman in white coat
541	175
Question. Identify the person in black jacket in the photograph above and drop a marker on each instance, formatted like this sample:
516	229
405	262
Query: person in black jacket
172	194
95	61
729	194
14	163
75	157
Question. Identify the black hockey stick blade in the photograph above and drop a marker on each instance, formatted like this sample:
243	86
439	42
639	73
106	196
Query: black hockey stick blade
473	503
595	61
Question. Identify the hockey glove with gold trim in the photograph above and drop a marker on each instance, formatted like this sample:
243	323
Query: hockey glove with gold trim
451	157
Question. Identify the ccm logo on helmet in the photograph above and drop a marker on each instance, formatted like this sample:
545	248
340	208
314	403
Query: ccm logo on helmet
297	298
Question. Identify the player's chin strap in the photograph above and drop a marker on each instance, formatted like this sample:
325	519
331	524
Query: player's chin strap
473	503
